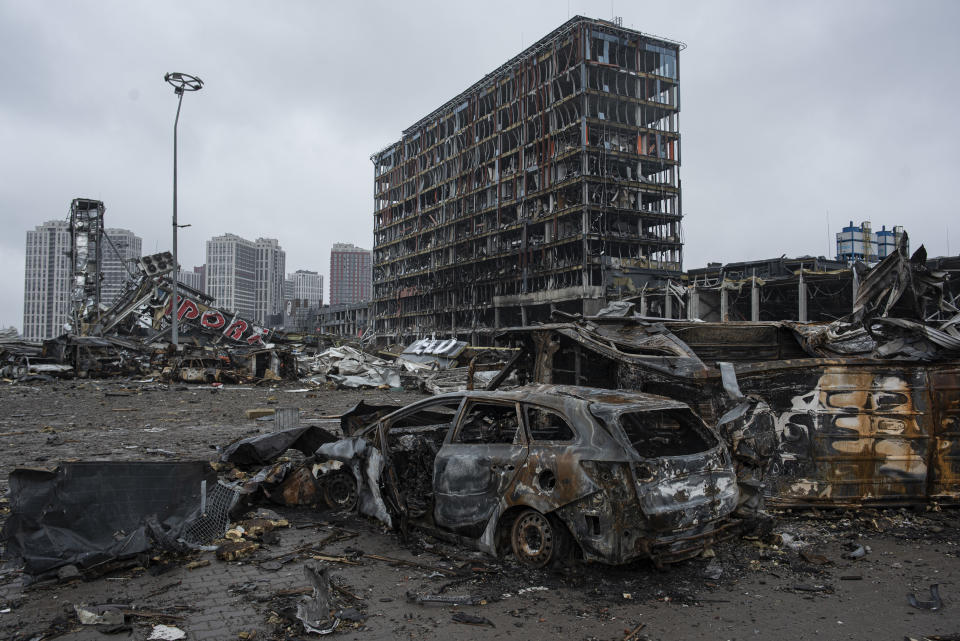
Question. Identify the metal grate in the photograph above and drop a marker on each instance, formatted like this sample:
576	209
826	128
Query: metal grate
214	515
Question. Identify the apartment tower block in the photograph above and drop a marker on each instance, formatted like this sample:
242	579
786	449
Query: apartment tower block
47	280
350	274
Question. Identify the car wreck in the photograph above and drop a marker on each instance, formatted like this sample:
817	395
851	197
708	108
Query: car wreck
545	470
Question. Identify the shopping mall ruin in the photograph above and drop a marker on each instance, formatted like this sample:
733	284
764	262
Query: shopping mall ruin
549	185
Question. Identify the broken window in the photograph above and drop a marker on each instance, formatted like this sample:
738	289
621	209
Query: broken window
488	423
546	425
665	433
436	414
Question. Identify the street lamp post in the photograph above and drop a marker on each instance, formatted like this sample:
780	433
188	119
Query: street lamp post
181	82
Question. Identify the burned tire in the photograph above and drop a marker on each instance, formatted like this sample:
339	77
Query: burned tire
539	540
340	490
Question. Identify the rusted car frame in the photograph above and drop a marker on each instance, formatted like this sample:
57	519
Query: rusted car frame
621	475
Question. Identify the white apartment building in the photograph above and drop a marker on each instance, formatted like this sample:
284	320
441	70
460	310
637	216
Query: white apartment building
305	285
271	267
231	274
46	288
192	279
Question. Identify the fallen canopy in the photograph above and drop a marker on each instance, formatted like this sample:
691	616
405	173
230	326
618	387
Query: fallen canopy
88	513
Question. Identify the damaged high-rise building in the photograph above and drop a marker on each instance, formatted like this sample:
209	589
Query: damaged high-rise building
550	184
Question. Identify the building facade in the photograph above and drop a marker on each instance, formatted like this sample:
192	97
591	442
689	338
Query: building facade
345	320
860	242
306	286
230	276
120	253
271	267
350	274
551	182
46	288
193	278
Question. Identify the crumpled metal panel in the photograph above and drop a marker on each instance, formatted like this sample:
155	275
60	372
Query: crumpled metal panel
855	433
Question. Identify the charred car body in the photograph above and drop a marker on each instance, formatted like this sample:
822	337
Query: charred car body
621	475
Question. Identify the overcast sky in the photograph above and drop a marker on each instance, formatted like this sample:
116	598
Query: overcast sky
794	115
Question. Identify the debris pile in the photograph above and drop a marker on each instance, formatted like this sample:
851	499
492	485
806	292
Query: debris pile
845	413
132	338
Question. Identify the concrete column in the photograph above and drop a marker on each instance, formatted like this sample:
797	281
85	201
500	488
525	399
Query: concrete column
802	299
724	305
667	303
693	303
496	317
643	304
856	287
523	315
754	300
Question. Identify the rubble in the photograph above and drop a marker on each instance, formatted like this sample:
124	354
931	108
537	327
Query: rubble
910	550
314	613
852	414
858	411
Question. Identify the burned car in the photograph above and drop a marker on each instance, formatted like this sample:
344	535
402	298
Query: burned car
547	469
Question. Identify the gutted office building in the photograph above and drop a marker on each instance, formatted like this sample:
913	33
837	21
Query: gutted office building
550	184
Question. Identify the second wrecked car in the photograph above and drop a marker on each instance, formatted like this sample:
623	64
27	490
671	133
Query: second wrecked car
540	469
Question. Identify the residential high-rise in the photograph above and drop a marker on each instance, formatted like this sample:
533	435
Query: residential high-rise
271	266
46	287
305	286
231	274
192	278
549	184
350	274
120	251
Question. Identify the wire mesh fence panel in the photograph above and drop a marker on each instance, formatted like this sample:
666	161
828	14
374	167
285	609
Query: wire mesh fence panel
213	520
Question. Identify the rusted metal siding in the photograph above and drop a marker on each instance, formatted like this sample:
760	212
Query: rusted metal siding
847	433
945	407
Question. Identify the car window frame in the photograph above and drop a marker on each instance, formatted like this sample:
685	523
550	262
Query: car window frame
566	419
379	427
520	439
387	422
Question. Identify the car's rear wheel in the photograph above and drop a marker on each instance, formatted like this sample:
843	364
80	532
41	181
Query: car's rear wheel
340	490
538	540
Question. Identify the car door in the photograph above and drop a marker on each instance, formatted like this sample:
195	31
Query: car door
552	465
477	464
408	439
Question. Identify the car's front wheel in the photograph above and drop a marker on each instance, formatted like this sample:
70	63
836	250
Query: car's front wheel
538	540
340	490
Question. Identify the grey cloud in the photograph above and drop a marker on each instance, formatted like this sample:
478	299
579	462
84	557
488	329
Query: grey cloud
789	110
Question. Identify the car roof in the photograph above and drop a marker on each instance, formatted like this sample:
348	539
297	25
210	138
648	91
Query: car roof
553	395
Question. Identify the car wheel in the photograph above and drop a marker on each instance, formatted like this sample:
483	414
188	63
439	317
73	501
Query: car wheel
537	539
340	490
